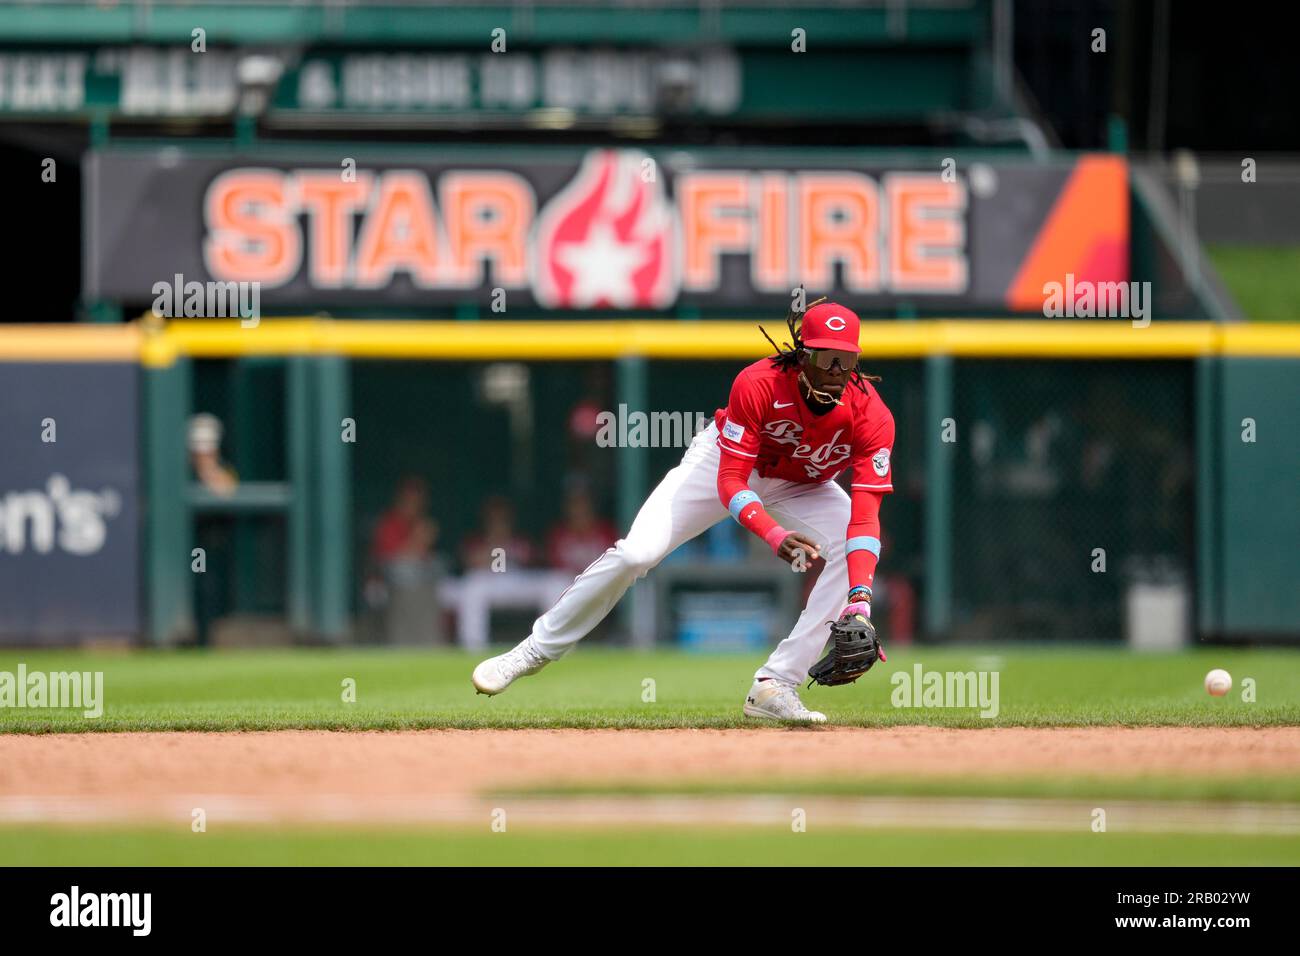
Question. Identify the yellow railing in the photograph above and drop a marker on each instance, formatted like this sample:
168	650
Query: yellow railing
70	343
160	344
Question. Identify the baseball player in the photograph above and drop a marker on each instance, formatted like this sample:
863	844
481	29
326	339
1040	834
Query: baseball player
793	422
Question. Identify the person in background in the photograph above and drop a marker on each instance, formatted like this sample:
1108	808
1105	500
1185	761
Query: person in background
204	441
479	548
584	456
405	530
213	590
402	551
501	573
581	536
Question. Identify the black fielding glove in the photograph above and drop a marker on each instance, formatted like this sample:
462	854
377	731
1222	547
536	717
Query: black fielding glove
854	649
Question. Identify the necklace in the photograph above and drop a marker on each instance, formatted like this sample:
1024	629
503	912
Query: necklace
826	398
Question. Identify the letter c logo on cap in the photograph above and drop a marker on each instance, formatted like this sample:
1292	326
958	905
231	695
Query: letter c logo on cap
836	323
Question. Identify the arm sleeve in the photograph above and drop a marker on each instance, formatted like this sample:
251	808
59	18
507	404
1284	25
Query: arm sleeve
745	506
862	538
738	446
873	478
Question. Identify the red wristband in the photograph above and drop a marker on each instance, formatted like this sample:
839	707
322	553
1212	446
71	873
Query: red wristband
775	537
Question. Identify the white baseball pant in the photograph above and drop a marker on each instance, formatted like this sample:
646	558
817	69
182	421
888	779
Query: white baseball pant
684	505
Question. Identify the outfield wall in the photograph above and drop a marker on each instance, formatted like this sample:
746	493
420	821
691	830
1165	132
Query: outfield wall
1065	438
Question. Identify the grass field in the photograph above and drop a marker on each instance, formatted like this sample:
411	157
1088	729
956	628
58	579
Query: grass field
47	846
1265	280
253	690
1079	687
1279	788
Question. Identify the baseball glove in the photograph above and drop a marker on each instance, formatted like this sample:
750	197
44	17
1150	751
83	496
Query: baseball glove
854	649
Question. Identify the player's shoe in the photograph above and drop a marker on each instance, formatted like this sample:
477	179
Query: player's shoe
777	700
497	673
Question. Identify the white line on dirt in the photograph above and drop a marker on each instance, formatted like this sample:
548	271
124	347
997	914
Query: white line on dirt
955	813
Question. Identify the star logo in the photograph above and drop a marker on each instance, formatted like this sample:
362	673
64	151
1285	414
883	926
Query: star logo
602	267
608	239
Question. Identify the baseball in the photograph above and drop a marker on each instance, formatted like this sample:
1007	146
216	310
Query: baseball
1218	682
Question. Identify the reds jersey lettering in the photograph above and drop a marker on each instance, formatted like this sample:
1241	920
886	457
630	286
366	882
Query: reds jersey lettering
767	420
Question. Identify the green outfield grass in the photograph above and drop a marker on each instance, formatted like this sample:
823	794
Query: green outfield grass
595	687
1258	787
1265	280
751	846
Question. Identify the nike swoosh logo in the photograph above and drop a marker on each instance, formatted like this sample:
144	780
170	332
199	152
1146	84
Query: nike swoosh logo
782	404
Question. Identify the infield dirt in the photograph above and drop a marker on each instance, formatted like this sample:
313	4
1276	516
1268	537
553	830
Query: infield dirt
442	776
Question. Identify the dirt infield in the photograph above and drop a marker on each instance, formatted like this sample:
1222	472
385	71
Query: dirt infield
439	775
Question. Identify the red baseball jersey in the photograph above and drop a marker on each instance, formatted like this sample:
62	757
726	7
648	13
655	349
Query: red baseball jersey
766	420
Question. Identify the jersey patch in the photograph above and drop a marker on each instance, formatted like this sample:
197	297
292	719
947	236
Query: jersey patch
880	462
732	431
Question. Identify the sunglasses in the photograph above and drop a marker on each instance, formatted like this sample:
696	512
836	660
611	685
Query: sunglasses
825	359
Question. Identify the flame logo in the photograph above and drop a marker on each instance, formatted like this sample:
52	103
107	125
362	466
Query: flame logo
608	239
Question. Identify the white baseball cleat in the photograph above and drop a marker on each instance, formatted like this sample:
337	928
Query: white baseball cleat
497	673
777	700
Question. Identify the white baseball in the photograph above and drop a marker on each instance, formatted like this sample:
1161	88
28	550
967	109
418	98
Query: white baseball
1218	682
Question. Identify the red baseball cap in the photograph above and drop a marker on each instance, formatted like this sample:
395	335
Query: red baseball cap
830	326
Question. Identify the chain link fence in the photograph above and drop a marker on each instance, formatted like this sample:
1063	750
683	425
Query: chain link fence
1073	485
1072	481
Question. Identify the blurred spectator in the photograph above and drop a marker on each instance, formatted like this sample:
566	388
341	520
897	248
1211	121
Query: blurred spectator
408	570
405	530
479	550
204	441
497	575
584	422
581	536
213	589
584	456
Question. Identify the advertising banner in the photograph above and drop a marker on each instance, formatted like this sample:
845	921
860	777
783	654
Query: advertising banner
69	513
604	230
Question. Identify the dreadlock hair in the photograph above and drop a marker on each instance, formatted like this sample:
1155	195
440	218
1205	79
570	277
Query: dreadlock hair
788	353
